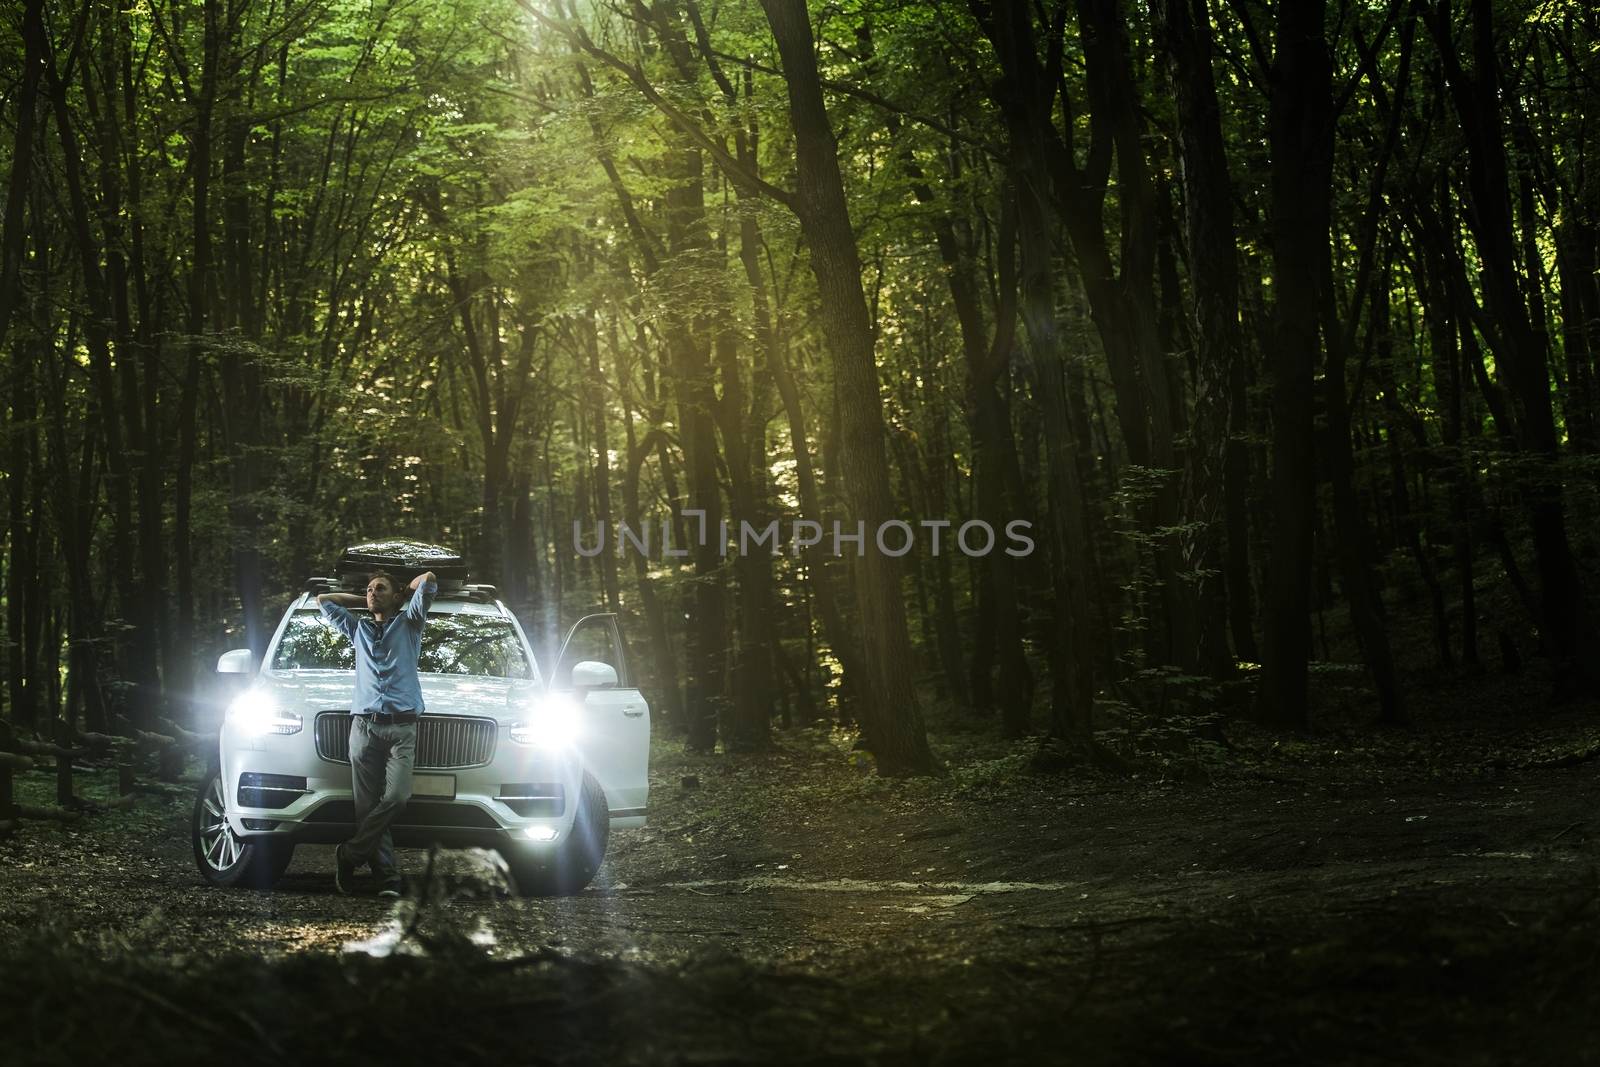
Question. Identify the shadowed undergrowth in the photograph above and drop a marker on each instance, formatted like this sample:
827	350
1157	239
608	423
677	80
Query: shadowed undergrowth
1418	982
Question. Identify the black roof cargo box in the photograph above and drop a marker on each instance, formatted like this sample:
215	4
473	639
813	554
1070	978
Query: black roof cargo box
405	560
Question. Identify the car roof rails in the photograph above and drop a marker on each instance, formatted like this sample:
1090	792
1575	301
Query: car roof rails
478	594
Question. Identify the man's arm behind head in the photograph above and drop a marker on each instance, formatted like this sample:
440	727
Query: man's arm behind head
424	588
335	608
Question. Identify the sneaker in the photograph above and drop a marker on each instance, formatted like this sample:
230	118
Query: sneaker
344	871
390	887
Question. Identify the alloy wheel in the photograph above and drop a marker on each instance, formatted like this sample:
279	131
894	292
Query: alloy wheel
219	845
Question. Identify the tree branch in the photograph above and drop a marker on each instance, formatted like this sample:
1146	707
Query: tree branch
987	148
730	166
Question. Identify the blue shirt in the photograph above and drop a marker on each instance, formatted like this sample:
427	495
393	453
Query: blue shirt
386	653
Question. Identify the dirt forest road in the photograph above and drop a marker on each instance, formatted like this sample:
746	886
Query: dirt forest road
787	909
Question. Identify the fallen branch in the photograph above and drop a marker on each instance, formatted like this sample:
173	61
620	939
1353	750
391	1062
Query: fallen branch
151	996
152	739
544	954
38	814
47	748
95	740
156	789
187	737
13	762
1099	925
1279	779
121	803
1568	759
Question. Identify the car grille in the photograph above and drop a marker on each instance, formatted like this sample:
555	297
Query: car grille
430	814
444	742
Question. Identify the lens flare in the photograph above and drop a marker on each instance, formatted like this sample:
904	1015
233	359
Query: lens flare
257	714
553	722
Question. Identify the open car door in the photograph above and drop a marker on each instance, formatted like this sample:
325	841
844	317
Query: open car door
615	736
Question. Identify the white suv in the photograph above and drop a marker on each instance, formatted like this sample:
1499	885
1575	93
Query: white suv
538	769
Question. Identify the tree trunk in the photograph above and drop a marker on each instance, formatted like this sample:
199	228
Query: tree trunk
997	637
1352	536
748	720
22	591
1460	479
602	461
664	662
1521	353
97	325
13	237
1402	424
1025	103
892	719
1218	468
1301	138
119	215
21	472
819	577
706	639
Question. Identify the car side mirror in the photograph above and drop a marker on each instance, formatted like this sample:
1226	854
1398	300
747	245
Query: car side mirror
235	661
592	674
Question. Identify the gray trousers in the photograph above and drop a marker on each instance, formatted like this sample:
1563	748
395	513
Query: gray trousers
380	774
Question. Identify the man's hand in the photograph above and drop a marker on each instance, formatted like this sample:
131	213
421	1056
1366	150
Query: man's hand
344	600
419	580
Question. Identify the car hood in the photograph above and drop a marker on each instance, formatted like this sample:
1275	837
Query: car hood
444	694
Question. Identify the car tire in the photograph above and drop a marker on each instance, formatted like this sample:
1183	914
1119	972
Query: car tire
225	858
571	865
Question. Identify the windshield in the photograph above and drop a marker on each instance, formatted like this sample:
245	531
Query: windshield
480	645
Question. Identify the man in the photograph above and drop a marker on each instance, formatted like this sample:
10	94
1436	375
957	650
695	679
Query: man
383	716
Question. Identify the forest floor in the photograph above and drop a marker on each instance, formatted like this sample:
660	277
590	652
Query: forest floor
1423	895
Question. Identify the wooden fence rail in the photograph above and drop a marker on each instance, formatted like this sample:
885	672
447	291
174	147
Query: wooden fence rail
18	755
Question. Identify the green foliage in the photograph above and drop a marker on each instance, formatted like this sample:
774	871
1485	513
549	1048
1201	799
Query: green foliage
460	259
992	777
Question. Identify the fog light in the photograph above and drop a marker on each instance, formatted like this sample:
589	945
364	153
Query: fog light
542	833
258	824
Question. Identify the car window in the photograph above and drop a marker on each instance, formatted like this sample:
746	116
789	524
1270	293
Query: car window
591	640
480	645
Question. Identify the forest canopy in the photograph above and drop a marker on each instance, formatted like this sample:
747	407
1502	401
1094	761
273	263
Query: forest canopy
1273	321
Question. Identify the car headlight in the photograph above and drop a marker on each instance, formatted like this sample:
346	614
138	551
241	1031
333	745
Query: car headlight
552	723
257	714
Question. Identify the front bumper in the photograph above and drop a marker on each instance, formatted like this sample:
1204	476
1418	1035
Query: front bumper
483	810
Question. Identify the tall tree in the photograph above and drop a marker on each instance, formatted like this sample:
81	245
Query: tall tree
1518	337
892	722
1300	132
1218	474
